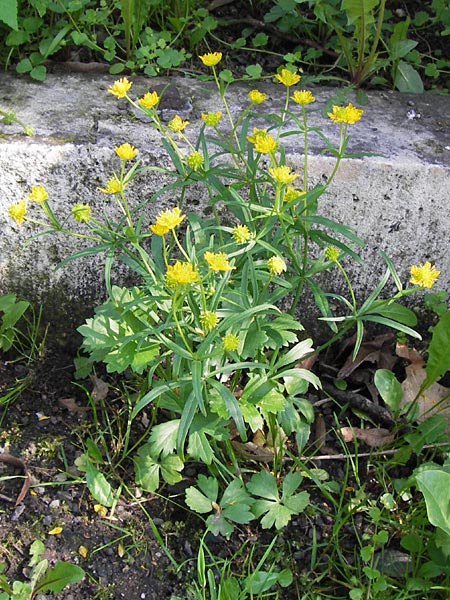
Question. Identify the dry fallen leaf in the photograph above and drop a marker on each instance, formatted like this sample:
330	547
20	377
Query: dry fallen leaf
251	451
99	389
434	400
71	405
55	531
372	437
377	350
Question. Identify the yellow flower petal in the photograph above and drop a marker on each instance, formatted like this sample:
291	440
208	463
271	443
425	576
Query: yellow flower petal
101	510
149	100
126	151
38	193
218	261
181	273
424	275
211	58
18	211
282	174
303	97
120	87
83	551
55	531
287	77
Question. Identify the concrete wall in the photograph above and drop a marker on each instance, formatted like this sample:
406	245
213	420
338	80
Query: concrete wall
398	200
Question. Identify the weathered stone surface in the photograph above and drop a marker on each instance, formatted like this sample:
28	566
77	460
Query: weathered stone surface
397	199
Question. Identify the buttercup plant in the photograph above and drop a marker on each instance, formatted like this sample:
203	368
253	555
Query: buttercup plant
211	324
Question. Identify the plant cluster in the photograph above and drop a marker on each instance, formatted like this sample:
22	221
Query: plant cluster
42	579
210	332
358	42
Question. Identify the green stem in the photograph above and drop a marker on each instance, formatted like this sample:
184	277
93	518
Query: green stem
342	139
368	62
349	285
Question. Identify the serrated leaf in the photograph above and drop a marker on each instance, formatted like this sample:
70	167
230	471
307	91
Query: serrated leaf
263	484
148	466
163	437
197	501
218	525
290	484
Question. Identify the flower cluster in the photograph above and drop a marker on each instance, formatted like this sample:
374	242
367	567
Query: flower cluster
181	273
218	261
263	142
167	220
345	114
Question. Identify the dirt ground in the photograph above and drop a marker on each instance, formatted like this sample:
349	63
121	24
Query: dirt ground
46	427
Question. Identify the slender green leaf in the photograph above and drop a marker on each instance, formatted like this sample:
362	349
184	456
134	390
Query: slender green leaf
98	485
438	362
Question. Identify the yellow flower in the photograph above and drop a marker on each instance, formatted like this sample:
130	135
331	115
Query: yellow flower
241	234
149	100
120	87
332	253
287	77
113	186
38	193
276	265
211	58
345	114
167	220
18	211
303	97
181	273
282	174
263	141
177	124
218	261
195	160
211	119
424	275
126	151
55	531
81	212
230	342
208	320
291	193
256	97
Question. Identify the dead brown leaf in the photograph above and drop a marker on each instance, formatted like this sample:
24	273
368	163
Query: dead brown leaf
99	389
372	437
376	351
71	405
251	451
434	400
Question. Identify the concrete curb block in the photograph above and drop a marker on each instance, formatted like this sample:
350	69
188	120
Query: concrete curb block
398	200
